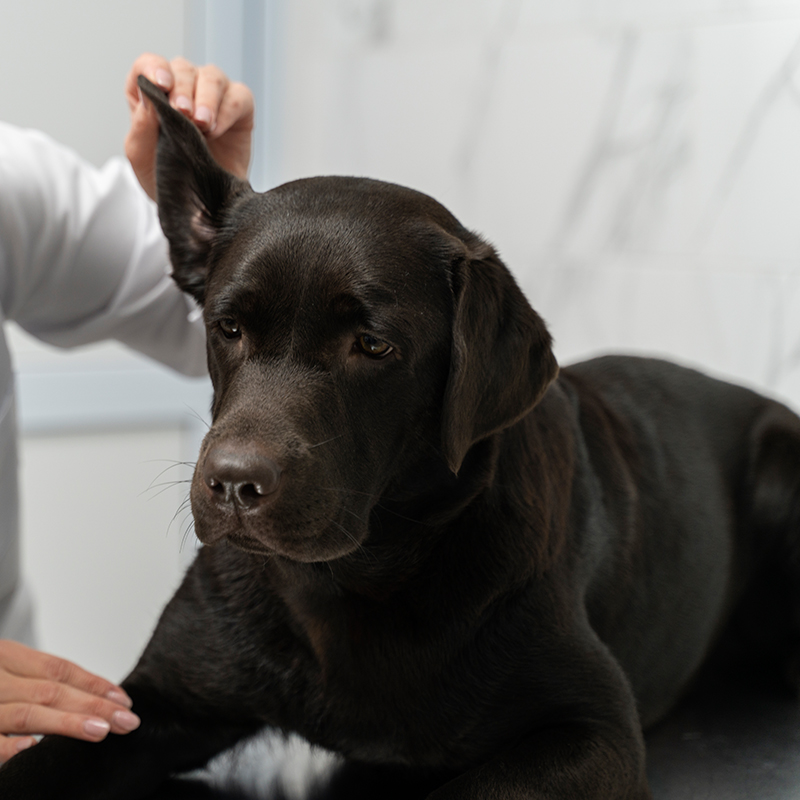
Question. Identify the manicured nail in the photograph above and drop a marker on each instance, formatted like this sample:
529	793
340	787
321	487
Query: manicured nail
24	744
183	103
126	720
120	698
96	728
203	115
163	79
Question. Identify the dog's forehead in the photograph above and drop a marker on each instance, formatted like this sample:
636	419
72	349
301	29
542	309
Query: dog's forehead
355	217
356	198
352	236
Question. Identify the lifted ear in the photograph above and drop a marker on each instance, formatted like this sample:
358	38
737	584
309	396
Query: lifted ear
193	192
501	359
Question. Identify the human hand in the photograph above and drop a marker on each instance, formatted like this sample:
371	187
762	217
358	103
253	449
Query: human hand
222	110
42	694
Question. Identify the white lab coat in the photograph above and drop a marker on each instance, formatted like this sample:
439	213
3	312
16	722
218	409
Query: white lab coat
82	258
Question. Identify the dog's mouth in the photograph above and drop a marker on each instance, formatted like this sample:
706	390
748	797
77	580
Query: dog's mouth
249	545
328	544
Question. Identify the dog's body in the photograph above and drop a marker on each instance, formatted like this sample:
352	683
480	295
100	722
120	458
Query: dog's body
430	554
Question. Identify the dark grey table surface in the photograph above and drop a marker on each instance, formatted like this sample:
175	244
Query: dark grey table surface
732	746
736	746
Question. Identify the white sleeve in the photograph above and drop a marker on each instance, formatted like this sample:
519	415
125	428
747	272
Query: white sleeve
82	255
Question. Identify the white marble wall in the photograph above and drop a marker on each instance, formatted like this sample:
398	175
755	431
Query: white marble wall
637	162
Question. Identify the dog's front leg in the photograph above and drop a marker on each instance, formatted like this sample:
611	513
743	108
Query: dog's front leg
195	689
584	740
570	762
126	767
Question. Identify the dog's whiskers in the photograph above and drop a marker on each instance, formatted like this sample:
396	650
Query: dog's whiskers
199	417
359	546
163	487
172	465
371	495
184	506
187	533
171	461
188	522
347	533
353	514
398	515
327	441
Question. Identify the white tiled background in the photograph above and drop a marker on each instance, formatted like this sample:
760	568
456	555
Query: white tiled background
636	162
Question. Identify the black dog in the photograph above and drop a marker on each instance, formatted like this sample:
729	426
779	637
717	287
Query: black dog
425	551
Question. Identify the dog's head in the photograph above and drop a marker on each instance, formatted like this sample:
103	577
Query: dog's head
355	331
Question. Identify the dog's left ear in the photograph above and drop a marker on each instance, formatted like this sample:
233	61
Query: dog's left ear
501	357
193	193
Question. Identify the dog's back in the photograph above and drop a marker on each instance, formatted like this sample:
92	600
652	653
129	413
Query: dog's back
700	488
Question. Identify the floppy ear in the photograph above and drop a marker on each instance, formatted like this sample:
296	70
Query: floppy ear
501	359
193	193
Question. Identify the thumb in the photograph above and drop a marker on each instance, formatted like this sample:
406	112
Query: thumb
11	745
141	143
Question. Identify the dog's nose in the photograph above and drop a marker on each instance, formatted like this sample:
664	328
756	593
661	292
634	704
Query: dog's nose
245	477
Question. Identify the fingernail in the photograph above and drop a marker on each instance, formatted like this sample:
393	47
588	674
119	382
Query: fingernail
183	103
24	744
126	720
120	698
96	728
163	79
203	114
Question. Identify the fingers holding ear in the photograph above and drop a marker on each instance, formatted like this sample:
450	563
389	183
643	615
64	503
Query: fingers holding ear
236	110
223	111
176	78
182	94
231	139
142	137
209	91
154	67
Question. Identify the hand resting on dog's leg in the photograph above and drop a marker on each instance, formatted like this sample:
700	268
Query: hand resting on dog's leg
41	693
181	689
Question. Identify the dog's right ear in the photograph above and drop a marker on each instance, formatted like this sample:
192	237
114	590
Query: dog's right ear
193	192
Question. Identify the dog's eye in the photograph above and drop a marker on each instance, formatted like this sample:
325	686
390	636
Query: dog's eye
230	328
372	347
